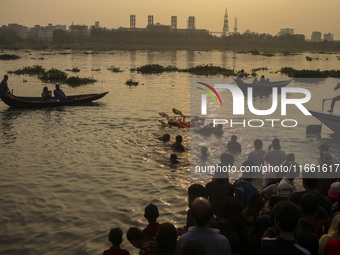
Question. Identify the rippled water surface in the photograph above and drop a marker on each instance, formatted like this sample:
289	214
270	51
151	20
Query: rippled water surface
69	174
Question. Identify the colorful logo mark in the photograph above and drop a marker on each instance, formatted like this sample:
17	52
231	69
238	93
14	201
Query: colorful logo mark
208	92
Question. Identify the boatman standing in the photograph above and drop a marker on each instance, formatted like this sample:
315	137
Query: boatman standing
337	98
241	74
4	86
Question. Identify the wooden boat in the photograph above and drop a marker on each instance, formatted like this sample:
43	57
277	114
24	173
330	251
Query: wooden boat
35	102
262	88
331	120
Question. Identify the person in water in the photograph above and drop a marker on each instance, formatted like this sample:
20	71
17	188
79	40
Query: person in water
233	145
177	146
173	159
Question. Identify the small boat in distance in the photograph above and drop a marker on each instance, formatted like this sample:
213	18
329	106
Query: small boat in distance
35	102
262	88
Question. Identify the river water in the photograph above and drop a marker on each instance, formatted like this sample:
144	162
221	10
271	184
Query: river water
70	174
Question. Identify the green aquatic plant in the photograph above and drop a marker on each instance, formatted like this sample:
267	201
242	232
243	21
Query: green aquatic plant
74	69
209	70
150	69
268	54
8	57
53	75
305	73
78	81
254	52
29	70
114	69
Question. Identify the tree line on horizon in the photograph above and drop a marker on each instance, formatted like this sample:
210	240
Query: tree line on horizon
124	38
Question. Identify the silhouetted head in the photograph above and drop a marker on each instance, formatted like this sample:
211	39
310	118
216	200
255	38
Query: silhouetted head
286	216
201	211
194	191
309	183
231	208
204	150
309	204
166	238
276	144
57	87
233	138
151	212
290	157
116	236
179	139
258	144
173	158
255	204
323	147
136	237
5	77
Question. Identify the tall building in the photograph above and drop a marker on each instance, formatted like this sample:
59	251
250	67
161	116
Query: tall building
191	22
173	22
79	30
132	21
20	30
225	24
286	31
316	36
328	37
150	19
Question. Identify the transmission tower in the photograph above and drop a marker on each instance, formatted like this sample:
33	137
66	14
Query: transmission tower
225	24
235	27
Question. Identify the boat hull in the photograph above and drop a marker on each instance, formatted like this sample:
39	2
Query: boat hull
35	102
331	120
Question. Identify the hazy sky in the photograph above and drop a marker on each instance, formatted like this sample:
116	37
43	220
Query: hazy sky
262	16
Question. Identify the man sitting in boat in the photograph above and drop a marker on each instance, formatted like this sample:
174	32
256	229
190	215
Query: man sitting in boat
337	98
59	94
4	86
46	95
262	81
255	82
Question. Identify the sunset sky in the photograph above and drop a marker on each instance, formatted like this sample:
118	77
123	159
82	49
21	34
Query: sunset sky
262	16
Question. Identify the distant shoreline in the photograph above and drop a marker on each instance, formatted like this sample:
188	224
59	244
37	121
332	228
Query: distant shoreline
266	48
